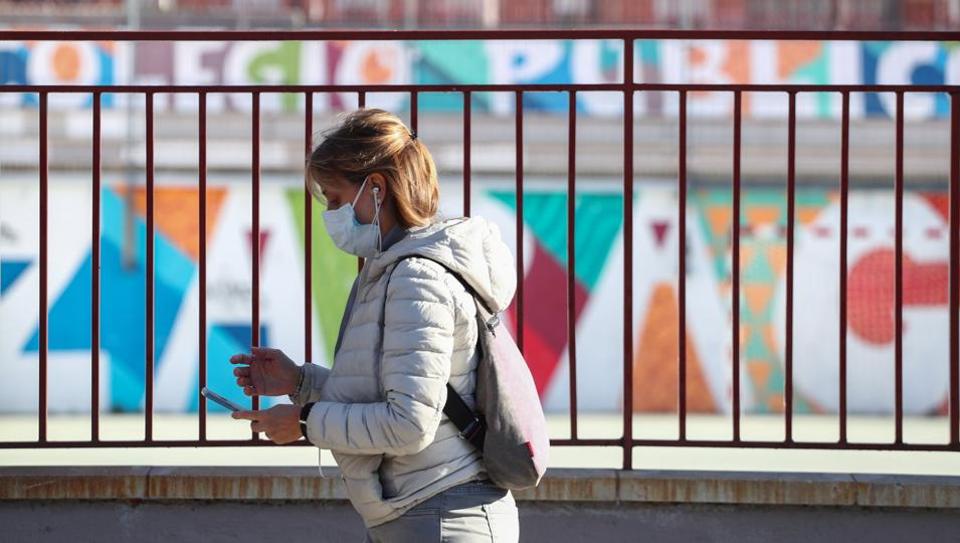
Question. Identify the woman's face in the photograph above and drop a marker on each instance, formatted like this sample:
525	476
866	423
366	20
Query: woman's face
338	191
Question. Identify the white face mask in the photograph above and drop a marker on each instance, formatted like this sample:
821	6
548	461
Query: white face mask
349	234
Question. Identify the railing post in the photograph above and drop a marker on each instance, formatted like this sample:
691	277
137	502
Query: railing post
255	236
571	256
44	313
735	264
150	265
202	321
628	90
844	207
518	95
95	277
467	135
791	209
898	278
682	268
954	270
307	231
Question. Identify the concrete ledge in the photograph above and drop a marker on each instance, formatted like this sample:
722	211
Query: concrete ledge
559	485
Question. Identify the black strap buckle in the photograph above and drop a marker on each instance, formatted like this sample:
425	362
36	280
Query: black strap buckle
475	433
472	429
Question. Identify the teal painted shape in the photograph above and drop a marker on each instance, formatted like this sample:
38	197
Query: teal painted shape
599	218
759	270
649	51
599	222
10	271
755	348
223	341
462	62
446	63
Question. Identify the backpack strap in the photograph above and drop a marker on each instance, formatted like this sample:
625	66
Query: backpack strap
472	426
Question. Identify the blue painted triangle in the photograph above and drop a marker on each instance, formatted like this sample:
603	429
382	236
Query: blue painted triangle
10	271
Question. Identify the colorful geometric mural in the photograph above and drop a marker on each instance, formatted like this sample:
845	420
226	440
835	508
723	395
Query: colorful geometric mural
499	62
598	290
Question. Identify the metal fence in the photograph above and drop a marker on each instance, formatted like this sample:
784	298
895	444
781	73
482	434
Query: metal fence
629	88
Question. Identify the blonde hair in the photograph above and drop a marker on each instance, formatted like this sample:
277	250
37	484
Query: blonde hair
371	141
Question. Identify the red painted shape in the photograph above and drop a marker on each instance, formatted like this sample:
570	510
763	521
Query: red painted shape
544	320
541	359
940	202
659	231
871	292
264	238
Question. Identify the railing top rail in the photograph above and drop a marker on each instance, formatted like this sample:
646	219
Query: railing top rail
485	87
473	34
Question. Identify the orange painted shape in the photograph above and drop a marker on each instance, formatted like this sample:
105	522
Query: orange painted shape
762	215
795	54
737	64
66	62
808	214
759	373
775	403
719	219
656	375
758	296
176	212
375	70
777	256
697	56
768	338
725	287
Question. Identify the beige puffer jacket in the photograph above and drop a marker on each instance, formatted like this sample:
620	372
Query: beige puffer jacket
380	412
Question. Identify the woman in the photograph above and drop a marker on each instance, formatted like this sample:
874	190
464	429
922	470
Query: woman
409	327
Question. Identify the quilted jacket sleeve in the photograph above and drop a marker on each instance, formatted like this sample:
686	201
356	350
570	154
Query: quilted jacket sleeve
314	376
414	370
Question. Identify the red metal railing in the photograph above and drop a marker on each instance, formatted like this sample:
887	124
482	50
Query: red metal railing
628	88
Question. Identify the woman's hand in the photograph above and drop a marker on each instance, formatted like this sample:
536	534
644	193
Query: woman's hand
267	372
281	423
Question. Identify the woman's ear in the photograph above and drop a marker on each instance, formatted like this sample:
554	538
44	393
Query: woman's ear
379	186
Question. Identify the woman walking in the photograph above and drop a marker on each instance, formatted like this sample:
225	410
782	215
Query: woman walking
408	329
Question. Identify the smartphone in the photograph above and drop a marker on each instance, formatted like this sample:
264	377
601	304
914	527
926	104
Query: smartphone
211	395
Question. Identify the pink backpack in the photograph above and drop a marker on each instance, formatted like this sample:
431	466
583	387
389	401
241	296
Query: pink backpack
509	427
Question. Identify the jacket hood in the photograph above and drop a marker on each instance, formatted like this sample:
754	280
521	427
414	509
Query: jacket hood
470	246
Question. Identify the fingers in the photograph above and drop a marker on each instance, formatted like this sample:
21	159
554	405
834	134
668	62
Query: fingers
247	415
247	386
241	358
244	379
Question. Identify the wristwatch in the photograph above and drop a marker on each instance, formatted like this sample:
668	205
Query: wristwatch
304	413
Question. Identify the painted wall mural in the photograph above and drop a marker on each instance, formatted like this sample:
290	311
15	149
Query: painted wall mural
598	288
502	62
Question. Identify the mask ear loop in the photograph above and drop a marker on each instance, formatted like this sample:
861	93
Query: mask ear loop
376	218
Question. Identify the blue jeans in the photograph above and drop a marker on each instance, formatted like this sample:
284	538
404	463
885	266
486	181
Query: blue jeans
468	513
